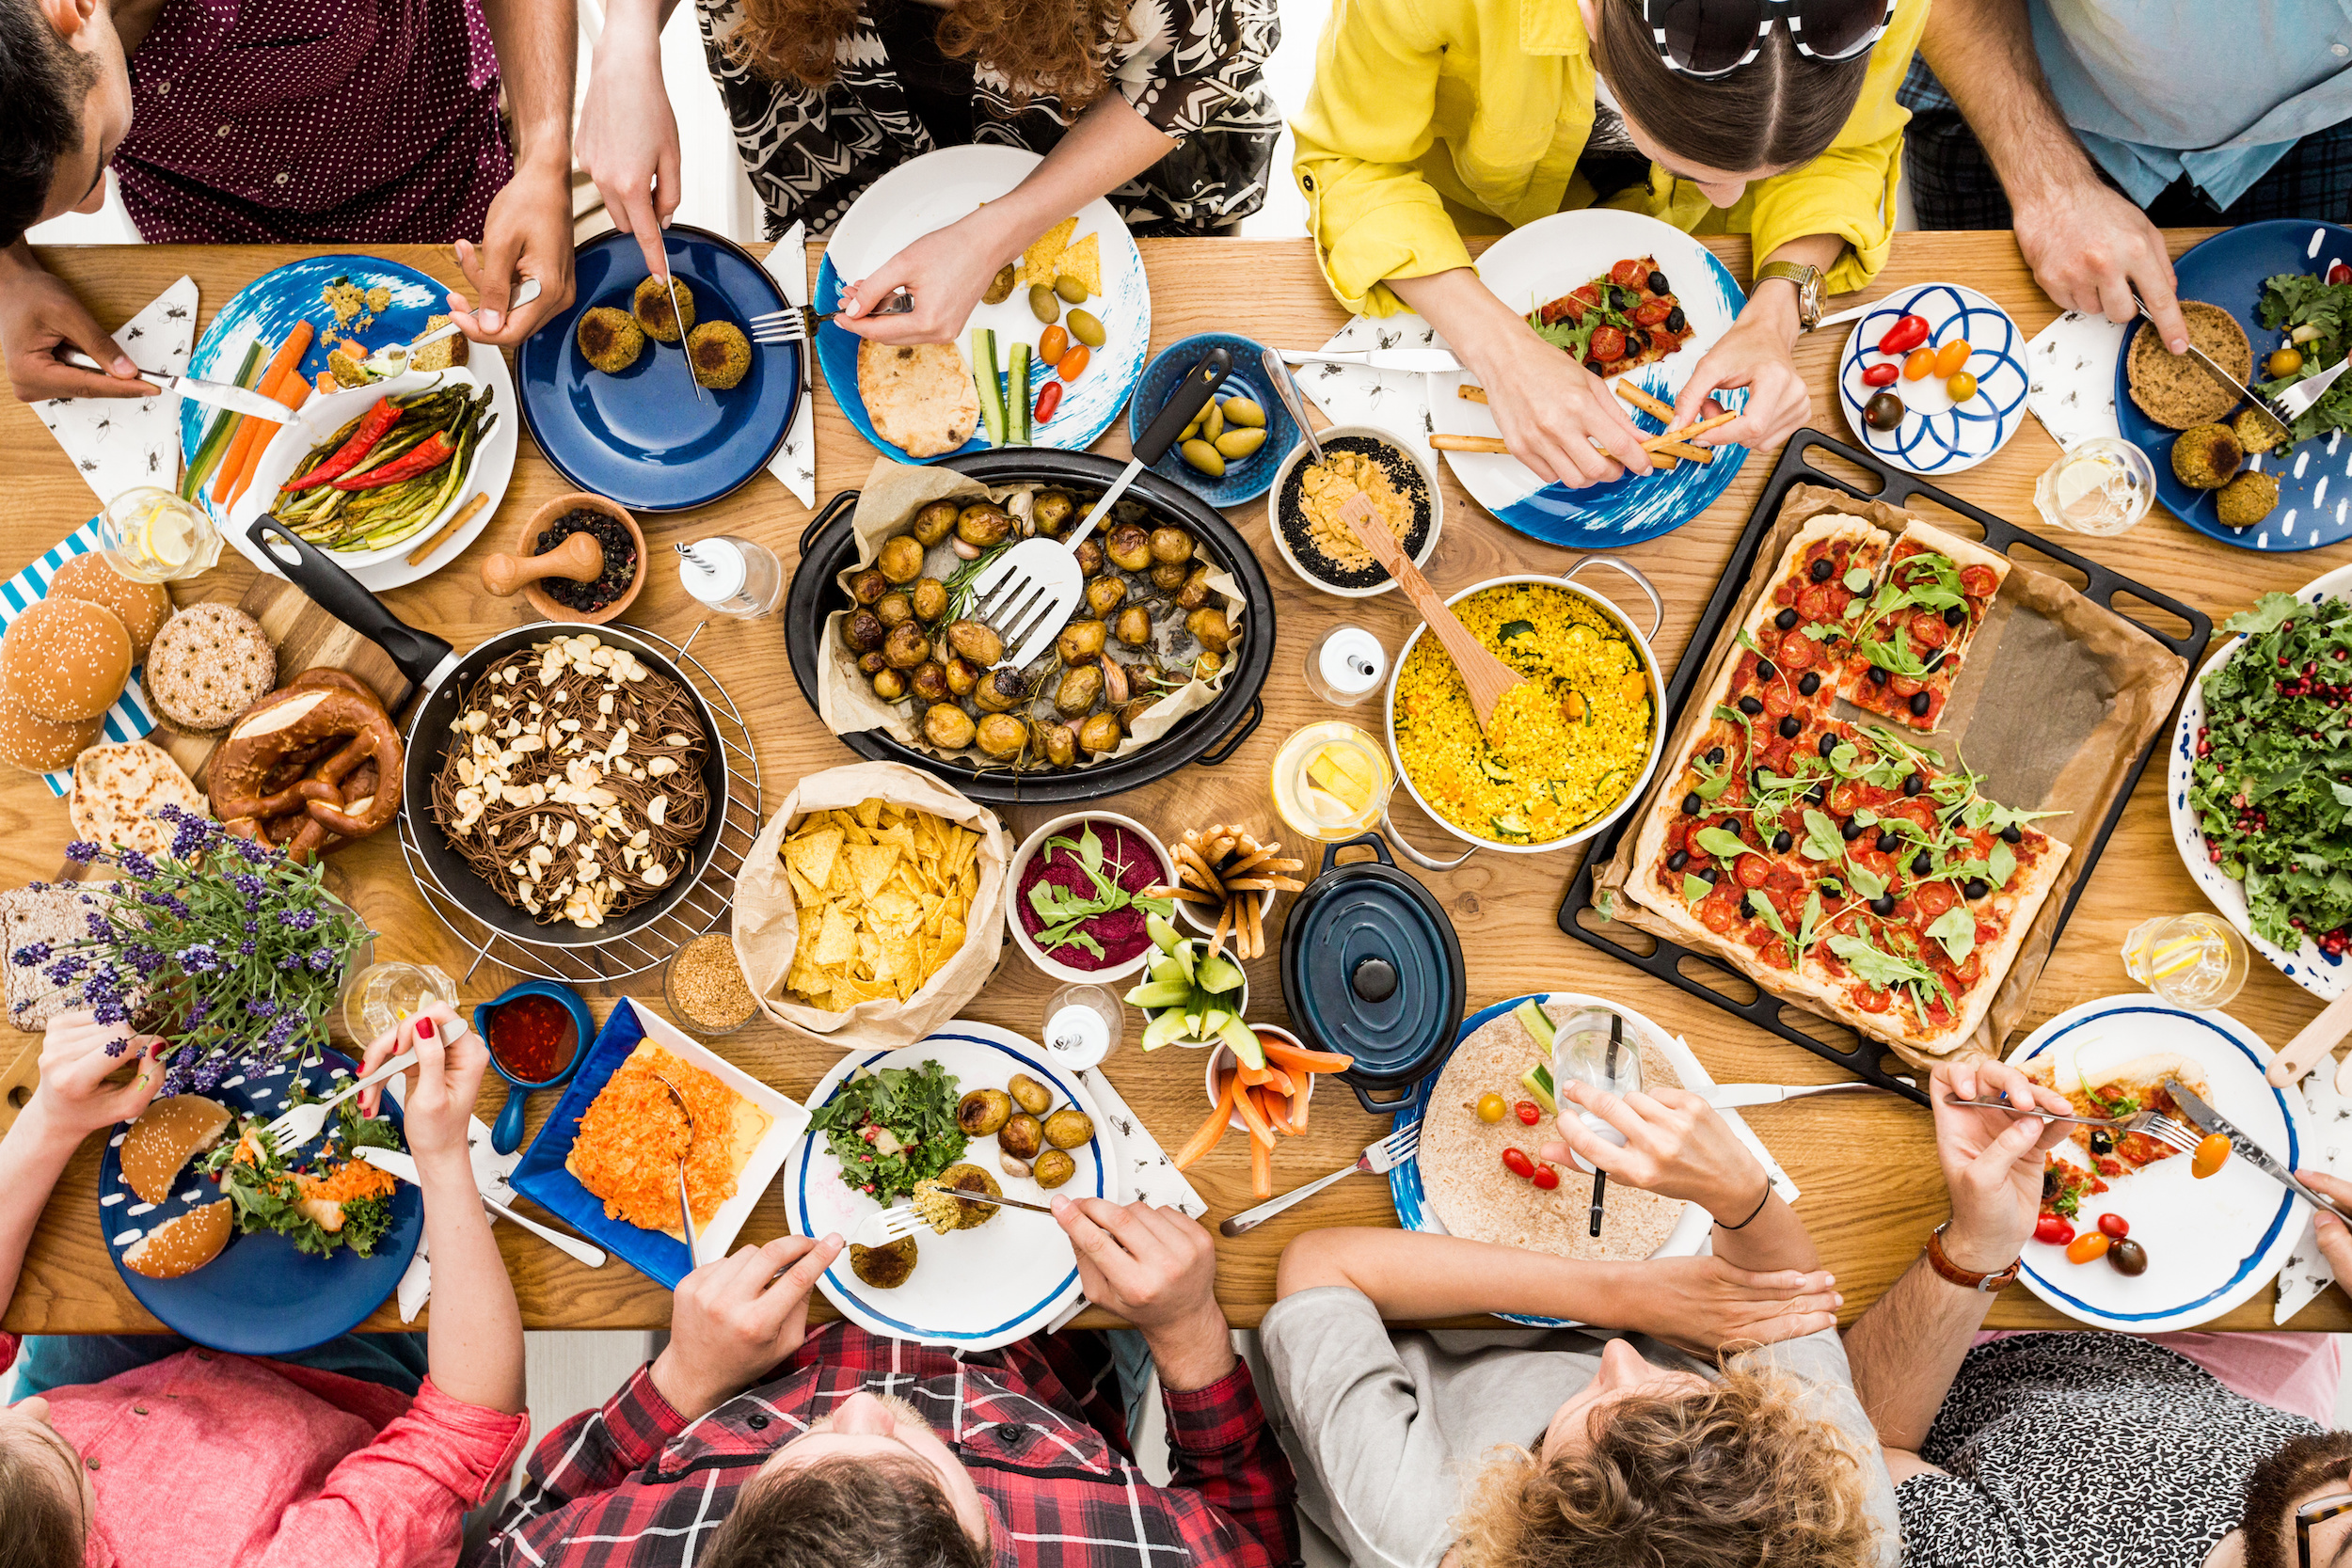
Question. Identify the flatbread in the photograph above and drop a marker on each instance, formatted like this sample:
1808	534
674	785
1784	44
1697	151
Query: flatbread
55	914
919	396
2175	391
1472	1194
118	788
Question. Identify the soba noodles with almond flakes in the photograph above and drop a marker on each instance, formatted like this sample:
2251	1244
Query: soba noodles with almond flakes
573	781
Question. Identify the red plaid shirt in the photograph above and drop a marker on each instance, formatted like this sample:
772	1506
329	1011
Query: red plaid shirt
1036	1424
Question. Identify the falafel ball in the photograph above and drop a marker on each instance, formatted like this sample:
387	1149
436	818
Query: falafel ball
2257	431
720	354
2205	457
609	340
2247	500
652	304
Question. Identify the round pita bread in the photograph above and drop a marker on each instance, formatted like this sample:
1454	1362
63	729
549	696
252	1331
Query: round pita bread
118	787
1472	1194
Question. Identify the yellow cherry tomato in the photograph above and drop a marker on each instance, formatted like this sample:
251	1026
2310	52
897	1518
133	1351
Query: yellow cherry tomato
2209	1156
2087	1246
1961	387
1917	367
1490	1107
1952	357
2285	361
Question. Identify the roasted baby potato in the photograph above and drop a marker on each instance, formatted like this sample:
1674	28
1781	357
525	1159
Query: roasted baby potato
1129	546
894	607
947	727
1052	510
1169	576
901	559
1056	743
1030	1095
872	664
930	599
864	630
929	682
1052	1168
868	585
889	685
1080	642
1022	1135
976	642
1135	625
1105	595
1000	689
1069	1127
1100	733
1090	554
906	647
983	1112
1000	734
1170	545
983	524
935	522
1210	629
1195	592
962	675
1081	685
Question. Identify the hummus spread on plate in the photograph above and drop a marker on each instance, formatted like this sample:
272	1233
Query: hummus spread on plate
1328	485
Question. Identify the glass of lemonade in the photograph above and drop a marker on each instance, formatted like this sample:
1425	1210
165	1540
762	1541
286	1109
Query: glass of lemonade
1331	780
383	994
2191	961
155	535
2100	487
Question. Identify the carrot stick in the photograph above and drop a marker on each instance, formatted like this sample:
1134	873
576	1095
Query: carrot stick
286	361
1308	1061
1275	1108
1261	1170
1254	1075
294	392
1254	1115
1278	1082
1205	1137
1299	1113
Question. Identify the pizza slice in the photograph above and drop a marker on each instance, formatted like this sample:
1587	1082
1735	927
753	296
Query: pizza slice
1910	639
2115	1093
2064	1185
1805	622
1617	322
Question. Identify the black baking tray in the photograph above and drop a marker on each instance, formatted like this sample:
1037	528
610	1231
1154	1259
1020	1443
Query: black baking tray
1897	486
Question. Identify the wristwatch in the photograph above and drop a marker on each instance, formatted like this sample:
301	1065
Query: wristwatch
1989	1283
1808	283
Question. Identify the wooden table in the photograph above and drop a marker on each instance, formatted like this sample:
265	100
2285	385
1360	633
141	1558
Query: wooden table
1839	1150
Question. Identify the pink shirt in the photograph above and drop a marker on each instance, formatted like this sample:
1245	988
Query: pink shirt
208	1458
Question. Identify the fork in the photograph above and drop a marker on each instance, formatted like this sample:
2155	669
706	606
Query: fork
685	1204
2149	1123
302	1123
797	324
1378	1159
891	1225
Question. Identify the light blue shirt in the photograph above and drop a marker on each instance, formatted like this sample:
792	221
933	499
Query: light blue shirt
2215	89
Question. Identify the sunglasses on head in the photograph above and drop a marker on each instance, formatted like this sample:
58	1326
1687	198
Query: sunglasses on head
1714	38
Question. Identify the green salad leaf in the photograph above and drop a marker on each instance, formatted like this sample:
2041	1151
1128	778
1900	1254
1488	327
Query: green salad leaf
893	1128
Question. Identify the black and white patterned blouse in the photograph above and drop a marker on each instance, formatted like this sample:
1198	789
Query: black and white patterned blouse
2085	1450
1193	69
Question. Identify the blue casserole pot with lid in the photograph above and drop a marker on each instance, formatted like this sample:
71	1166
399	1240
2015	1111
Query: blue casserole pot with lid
1371	967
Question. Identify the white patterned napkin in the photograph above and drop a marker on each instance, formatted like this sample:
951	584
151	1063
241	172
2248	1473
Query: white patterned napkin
1132	1147
2070	367
128	720
1396	400
491	1171
116	443
795	462
2308	1272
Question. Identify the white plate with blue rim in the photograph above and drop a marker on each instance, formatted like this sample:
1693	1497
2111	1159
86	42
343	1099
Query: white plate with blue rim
2211	1243
1539	262
971	1290
2324	974
1938	436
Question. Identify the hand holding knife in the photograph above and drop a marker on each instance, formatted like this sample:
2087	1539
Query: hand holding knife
2209	1122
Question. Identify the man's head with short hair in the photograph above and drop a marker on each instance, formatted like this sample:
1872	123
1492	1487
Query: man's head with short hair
1646	1466
869	1486
65	106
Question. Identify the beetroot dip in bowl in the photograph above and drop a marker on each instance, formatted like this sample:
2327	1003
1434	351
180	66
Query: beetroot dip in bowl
1133	857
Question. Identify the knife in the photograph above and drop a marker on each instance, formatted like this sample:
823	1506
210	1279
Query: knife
2206	1119
1733	1097
404	1167
1432	361
2238	390
220	394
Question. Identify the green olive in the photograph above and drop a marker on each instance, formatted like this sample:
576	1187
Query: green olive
1042	305
1212	423
1191	429
1087	328
1238	444
1242	411
1071	288
1204	457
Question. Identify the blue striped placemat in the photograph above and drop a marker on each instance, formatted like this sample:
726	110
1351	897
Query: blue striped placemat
129	719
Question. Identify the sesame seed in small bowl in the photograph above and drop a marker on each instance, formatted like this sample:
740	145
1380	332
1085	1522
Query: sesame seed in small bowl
1304	507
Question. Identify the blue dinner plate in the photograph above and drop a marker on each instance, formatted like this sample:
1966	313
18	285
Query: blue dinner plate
260	1296
642	437
1245	479
2316	477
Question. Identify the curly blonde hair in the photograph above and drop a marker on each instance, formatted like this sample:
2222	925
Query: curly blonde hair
1045	48
1738	1475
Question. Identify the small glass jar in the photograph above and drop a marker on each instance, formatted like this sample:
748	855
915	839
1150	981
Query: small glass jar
2100	487
733	576
2195	960
1331	780
704	984
383	994
154	535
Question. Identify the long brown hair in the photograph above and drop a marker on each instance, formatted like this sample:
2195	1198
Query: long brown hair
1045	48
40	1523
1779	110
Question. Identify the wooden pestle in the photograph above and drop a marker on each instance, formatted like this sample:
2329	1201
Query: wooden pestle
579	558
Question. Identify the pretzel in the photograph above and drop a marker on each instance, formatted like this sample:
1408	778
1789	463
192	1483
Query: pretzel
310	766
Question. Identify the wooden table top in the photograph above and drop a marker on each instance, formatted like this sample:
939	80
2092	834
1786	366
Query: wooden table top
1865	1164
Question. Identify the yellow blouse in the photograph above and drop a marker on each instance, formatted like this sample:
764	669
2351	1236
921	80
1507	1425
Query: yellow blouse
1428	116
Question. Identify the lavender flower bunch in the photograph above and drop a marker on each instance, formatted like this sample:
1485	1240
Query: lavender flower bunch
224	946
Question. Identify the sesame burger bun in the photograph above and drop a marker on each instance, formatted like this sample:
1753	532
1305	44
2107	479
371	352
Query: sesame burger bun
182	1244
66	660
40	745
166	1137
143	605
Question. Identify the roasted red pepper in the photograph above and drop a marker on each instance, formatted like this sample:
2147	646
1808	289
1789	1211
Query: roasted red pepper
427	454
374	426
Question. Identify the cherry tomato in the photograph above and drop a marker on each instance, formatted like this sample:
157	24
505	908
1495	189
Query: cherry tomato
2114	1227
2209	1156
2082	1249
2053	1228
1918	363
2285	361
1608	345
1885	411
2339	272
1053	344
1751	870
1047	400
1528	1112
2128	1257
1880	373
1961	388
1490	1107
1952	357
1907	333
1546	1178
1073	364
1518	1164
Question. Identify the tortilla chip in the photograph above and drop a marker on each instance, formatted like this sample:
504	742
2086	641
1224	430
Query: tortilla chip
894	909
869	813
838	943
951	934
1038	261
815	984
811	853
805	894
1084	261
872	865
897	833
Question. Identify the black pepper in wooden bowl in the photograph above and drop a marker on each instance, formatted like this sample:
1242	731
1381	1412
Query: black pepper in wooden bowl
620	561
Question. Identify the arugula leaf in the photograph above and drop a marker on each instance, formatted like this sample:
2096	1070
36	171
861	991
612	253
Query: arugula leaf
1956	928
1858	578
1822	841
1866	882
2001	864
1695	888
1883	970
1722	843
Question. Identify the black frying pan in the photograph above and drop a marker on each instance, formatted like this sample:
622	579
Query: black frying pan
442	679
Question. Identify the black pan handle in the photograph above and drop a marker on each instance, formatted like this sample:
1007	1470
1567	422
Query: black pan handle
833	509
418	653
1191	396
1382	1107
1374	841
1252	717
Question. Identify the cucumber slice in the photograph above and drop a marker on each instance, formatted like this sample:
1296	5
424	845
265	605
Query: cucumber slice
1159	993
1017	398
1217	974
986	382
1538	1082
1163	936
1236	1034
1531	1015
1160	1031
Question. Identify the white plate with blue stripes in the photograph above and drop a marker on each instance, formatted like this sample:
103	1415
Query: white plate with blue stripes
1938	436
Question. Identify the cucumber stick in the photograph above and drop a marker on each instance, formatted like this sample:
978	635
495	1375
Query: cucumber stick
985	381
215	443
1017	397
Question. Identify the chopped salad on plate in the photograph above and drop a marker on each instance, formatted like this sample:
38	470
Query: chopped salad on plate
892	1129
2315	313
320	1200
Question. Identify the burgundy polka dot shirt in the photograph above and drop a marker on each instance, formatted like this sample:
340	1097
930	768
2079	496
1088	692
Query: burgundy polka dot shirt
306	121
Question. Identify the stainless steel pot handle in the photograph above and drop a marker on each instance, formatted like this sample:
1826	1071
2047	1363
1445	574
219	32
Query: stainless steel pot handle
1426	862
1656	605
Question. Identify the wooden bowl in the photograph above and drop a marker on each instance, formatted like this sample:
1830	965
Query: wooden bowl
527	544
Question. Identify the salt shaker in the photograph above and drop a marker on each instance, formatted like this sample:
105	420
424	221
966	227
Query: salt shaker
732	575
1346	668
1082	1023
